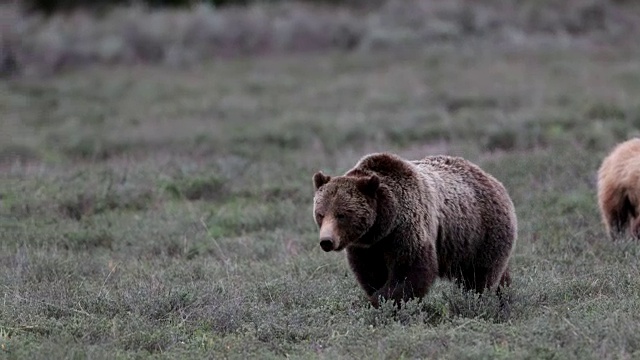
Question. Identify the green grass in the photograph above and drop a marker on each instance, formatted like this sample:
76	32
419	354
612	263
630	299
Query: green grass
146	212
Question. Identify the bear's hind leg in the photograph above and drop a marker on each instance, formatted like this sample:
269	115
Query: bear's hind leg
474	278
505	279
478	278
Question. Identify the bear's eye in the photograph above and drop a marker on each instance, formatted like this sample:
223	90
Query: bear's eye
340	216
320	217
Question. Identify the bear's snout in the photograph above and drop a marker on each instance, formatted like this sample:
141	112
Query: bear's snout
329	240
326	244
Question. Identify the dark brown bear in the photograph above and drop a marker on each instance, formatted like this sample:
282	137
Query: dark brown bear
404	223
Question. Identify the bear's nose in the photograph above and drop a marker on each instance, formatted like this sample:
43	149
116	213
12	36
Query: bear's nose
326	244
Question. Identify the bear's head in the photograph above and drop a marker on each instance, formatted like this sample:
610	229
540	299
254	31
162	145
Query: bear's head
344	208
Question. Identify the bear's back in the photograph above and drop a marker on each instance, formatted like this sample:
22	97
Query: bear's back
622	165
455	174
464	188
454	180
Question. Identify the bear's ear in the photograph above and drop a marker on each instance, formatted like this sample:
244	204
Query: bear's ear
369	185
320	179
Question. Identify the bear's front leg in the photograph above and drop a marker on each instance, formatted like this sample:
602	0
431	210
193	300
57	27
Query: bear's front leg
397	291
408	279
369	267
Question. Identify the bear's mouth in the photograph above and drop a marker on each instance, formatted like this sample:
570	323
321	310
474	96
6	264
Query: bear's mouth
340	247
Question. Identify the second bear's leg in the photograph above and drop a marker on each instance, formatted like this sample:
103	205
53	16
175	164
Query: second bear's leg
635	228
618	218
617	224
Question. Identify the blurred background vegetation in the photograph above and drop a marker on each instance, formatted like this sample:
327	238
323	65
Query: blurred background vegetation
53	6
42	37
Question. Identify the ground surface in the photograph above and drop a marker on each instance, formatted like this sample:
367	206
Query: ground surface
168	213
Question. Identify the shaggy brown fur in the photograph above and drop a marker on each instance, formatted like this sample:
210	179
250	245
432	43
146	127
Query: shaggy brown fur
405	223
619	190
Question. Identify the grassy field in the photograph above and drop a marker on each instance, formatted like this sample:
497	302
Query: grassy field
146	212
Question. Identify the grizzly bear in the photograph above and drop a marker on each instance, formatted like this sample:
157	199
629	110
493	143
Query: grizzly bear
619	190
405	223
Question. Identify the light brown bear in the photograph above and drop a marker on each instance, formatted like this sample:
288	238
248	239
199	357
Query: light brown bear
619	190
405	223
